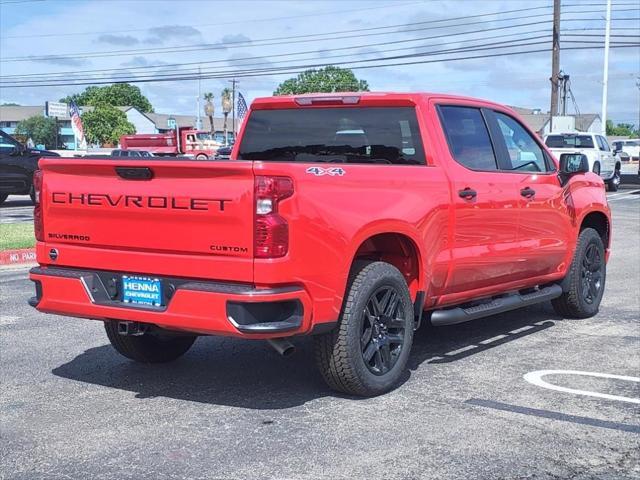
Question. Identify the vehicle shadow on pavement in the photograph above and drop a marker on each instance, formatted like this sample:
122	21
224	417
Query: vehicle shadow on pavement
17	203
434	345
249	374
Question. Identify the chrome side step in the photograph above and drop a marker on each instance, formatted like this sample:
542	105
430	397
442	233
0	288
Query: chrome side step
452	316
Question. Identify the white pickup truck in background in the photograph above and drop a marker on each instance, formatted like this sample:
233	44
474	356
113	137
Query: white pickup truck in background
602	160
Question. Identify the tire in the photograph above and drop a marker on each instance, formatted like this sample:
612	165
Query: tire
377	301
584	290
596	168
202	156
614	182
150	347
3	197
32	194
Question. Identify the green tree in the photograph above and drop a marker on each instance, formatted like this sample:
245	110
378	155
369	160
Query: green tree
41	130
116	95
10	104
209	110
226	109
106	124
620	130
328	79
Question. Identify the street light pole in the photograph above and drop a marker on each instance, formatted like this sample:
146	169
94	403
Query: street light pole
198	119
233	106
605	78
638	126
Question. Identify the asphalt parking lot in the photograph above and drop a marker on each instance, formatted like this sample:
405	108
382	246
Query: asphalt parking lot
72	408
16	209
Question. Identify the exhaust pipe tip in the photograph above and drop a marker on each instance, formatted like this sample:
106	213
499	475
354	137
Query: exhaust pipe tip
284	347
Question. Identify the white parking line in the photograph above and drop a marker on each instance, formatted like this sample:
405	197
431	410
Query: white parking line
535	378
622	195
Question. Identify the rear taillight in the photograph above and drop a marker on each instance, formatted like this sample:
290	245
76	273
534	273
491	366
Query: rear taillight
38	223
271	230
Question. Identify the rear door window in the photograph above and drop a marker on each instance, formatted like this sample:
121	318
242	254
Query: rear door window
468	137
380	135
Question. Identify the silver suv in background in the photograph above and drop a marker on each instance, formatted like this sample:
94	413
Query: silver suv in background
602	160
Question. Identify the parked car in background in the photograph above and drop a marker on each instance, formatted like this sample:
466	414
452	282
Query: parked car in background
131	153
17	164
602	160
631	148
224	153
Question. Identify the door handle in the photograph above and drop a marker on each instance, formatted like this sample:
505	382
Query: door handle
467	194
528	192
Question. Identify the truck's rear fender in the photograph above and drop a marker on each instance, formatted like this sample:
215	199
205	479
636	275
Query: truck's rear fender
394	242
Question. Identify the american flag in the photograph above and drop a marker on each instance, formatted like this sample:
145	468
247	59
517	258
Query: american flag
76	124
242	107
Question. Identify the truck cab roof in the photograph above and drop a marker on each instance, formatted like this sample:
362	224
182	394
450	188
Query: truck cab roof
379	99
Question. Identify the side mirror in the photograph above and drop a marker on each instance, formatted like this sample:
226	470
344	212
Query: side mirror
572	163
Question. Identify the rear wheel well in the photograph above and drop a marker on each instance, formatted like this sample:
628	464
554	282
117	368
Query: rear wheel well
600	223
397	249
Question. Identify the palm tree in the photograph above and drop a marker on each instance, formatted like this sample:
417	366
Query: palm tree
226	109
209	109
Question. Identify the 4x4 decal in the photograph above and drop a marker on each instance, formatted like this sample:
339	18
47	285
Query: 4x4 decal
320	171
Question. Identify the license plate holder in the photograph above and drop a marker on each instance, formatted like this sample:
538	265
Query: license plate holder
140	290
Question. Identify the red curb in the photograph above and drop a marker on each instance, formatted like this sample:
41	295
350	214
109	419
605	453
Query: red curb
16	256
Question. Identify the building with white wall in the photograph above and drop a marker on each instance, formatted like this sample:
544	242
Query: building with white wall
149	123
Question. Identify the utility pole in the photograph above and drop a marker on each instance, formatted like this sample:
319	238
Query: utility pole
605	77
555	63
198	118
233	106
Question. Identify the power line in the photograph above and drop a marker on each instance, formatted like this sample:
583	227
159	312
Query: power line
324	59
315	14
233	60
127	71
282	40
294	69
244	22
8	2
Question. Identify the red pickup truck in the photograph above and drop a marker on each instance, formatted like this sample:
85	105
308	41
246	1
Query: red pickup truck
350	217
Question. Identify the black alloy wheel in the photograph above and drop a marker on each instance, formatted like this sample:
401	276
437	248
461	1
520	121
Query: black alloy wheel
583	287
367	353
383	330
591	274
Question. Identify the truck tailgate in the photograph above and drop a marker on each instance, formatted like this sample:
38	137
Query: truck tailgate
189	218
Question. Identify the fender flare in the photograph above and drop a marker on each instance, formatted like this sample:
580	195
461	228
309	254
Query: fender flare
379	227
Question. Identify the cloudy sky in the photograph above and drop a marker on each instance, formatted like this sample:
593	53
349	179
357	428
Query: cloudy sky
151	39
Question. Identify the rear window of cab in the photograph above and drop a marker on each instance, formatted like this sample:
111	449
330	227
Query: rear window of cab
380	135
